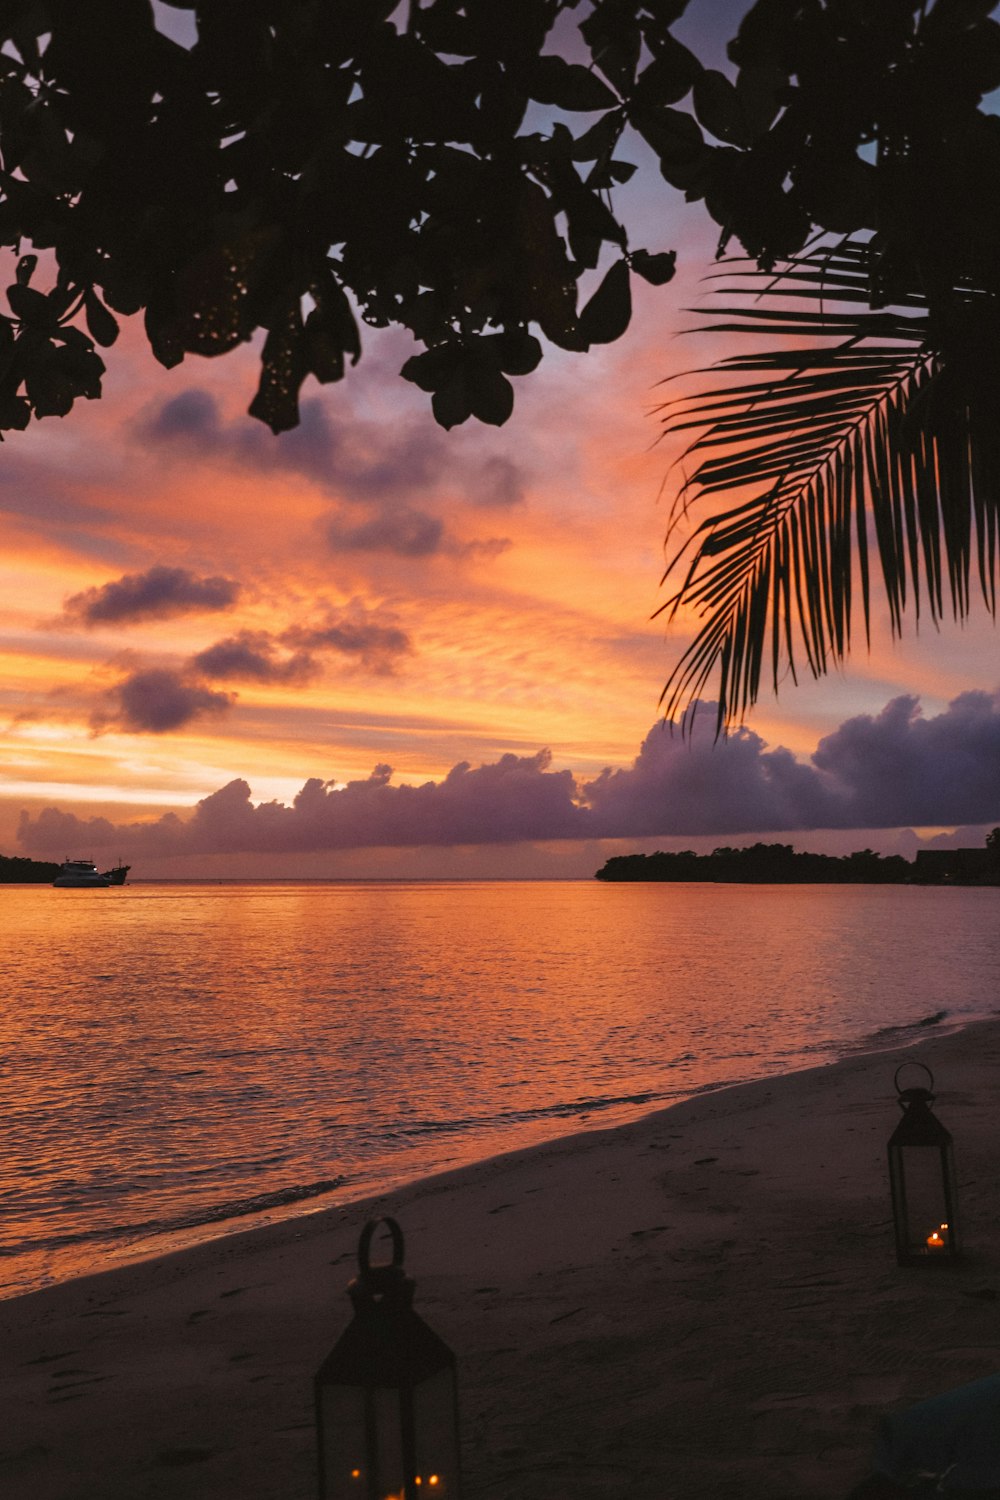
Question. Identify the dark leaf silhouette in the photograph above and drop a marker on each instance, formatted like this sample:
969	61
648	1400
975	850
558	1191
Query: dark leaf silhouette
568	85
668	77
656	269
102	324
607	314
285	366
717	106
303	168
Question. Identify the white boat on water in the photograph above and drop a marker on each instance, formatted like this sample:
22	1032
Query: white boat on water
81	873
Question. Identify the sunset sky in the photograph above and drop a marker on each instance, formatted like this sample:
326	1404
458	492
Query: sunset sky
197	615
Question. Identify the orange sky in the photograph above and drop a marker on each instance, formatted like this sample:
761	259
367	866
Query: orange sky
405	596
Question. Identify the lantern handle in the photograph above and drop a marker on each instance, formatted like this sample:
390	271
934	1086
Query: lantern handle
926	1069
365	1243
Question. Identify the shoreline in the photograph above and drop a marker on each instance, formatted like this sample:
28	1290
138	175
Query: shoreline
701	1302
616	1114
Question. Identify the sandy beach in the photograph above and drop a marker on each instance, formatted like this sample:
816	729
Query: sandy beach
703	1303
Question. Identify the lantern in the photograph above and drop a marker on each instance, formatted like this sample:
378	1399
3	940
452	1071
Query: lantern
386	1408
922	1179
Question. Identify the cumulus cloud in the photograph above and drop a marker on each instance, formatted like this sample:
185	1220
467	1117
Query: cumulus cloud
888	770
404	530
693	785
53	830
362	461
899	767
386	479
156	701
192	423
504	802
875	771
514	799
366	636
191	418
251	656
498	481
158	594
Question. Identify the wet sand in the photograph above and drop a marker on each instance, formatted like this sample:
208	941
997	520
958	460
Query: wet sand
703	1304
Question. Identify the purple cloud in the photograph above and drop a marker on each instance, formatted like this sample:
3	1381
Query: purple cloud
899	767
404	531
251	656
192	418
686	785
156	701
360	461
53	830
498	482
885	771
515	798
357	633
158	594
891	770
387	480
500	803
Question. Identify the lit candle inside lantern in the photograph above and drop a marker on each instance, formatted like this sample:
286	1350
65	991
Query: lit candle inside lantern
935	1241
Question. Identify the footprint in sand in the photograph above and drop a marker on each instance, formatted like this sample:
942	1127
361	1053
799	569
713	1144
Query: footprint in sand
68	1384
175	1458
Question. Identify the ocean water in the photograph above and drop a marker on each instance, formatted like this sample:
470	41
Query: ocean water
183	1060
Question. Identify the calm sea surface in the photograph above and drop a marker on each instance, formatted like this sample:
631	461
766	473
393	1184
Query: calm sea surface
184	1060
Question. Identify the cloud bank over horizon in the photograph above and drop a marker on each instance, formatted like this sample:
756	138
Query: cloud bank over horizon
891	770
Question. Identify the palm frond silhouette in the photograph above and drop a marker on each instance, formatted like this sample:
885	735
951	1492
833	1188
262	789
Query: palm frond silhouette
858	429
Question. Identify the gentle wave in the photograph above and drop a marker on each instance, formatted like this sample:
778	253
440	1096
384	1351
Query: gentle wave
219	1213
563	1110
882	1038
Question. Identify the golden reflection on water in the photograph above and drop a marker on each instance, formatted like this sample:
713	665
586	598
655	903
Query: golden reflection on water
174	1054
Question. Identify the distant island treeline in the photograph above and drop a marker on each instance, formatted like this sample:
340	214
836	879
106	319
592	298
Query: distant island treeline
16	870
766	864
780	864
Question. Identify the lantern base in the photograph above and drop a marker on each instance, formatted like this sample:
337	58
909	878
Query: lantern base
921	1256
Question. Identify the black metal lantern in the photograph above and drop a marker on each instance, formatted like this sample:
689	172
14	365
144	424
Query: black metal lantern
922	1178
386	1406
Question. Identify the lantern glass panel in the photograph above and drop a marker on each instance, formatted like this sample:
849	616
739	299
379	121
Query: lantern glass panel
362	1443
436	1429
346	1457
922	1178
365	1433
927	1221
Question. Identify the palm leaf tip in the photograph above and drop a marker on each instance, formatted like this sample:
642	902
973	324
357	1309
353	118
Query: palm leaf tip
848	432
